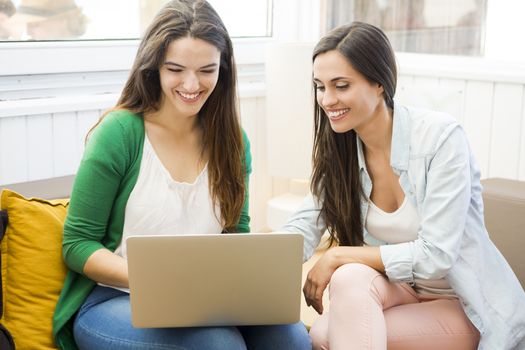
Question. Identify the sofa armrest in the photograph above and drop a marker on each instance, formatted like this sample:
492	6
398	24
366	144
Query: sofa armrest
57	187
504	202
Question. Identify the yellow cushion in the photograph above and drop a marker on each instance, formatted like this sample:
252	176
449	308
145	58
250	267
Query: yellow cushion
32	268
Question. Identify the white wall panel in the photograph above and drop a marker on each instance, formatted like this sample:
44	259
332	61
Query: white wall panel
414	91
478	121
65	144
446	95
40	147
506	127
13	146
404	85
453	97
85	121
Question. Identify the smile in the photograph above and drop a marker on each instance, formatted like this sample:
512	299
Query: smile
189	97
337	114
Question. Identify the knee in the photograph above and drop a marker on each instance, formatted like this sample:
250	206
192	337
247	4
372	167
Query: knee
298	337
353	276
319	335
287	336
221	338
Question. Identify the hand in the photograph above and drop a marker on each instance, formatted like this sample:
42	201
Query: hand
317	280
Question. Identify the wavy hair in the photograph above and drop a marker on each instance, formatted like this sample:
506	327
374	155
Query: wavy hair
335	174
218	118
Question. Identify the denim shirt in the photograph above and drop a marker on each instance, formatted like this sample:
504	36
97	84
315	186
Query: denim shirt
438	174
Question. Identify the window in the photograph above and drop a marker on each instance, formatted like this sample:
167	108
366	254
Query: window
481	28
453	27
42	20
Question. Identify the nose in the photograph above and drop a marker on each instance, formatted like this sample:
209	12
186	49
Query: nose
328	98
191	82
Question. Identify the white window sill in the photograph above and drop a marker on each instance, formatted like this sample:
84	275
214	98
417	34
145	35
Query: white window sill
22	58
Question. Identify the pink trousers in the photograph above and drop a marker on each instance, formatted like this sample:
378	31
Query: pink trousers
369	312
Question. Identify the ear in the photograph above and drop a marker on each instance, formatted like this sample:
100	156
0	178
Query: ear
380	89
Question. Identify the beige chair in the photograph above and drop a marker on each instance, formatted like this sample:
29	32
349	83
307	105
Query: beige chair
505	220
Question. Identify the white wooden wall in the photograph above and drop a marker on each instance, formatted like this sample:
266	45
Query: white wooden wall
492	113
42	146
42	138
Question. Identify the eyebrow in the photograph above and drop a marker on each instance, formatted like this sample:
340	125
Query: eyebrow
332	80
169	63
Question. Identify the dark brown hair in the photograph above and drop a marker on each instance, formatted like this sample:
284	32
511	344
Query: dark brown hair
218	118
335	177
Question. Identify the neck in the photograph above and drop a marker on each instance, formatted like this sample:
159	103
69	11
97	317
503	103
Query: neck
376	135
170	120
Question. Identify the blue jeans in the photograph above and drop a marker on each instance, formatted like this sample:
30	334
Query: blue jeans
104	322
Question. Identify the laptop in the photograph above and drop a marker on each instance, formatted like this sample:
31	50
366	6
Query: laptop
215	280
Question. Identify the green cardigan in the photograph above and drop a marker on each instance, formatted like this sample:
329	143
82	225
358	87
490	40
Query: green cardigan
104	181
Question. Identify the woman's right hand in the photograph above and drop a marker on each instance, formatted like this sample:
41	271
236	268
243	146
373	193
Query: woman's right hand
317	280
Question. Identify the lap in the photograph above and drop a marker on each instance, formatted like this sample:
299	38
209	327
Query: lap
285	336
438	324
360	295
104	322
433	324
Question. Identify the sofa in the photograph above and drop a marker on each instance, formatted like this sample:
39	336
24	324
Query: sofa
32	268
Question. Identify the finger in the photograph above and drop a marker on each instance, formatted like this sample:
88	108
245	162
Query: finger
318	297
306	292
317	300
309	288
318	308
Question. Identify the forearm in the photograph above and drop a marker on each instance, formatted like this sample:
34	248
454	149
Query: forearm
108	268
370	256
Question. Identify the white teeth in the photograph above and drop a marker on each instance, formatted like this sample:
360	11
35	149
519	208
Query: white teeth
189	96
335	114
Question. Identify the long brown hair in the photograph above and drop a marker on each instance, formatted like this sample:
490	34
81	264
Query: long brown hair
336	177
218	118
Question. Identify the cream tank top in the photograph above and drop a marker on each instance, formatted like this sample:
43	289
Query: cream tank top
159	205
402	226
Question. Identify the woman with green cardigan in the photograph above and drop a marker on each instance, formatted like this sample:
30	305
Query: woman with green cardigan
170	157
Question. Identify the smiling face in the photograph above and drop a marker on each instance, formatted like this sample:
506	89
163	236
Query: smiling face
188	75
349	100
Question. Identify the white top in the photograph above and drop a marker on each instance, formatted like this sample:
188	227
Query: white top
396	227
159	205
401	226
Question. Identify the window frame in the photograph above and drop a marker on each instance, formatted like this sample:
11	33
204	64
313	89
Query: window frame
93	56
33	57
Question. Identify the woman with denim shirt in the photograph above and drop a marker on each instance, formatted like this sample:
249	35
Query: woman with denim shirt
399	192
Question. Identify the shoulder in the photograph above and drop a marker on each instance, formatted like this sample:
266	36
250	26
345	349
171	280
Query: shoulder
428	121
122	120
117	126
429	129
119	132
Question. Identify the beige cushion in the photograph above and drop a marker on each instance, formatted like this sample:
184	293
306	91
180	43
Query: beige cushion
505	220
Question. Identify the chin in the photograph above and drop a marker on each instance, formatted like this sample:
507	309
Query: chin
340	129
